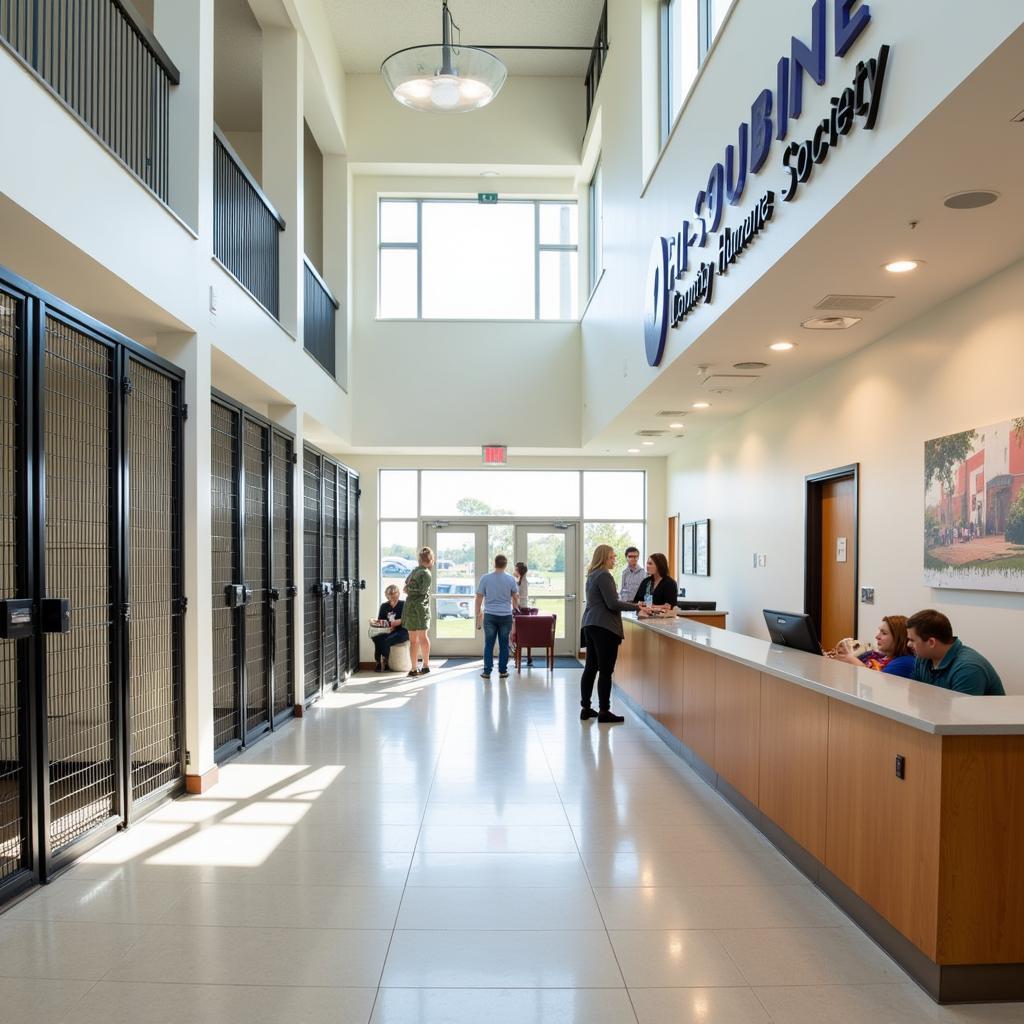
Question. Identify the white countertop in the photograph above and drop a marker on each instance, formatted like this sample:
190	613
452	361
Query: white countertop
928	708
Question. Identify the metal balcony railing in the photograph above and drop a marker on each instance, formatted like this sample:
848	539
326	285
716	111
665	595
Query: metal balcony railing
321	307
102	61
598	54
246	227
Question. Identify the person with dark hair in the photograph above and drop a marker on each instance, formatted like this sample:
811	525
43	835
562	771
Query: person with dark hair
943	660
632	575
524	586
658	586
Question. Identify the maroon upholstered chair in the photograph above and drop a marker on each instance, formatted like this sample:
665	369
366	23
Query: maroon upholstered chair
534	631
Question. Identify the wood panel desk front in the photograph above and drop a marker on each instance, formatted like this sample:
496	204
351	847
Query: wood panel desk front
807	749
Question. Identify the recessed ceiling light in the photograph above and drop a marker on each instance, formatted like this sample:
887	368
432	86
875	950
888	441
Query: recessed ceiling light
702	405
675	426
633	451
903	266
830	323
971	200
647	444
488	174
782	346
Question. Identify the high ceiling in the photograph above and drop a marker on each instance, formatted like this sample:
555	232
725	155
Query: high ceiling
367	31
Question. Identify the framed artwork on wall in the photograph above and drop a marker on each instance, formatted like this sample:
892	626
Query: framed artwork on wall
974	508
702	547
688	561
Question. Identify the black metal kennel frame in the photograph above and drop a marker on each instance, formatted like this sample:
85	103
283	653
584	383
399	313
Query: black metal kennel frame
91	586
330	559
251	507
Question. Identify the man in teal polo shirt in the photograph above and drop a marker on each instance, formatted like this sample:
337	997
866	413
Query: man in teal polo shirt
943	660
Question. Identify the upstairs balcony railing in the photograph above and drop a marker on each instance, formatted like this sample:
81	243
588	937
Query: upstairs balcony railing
321	307
103	62
246	227
598	53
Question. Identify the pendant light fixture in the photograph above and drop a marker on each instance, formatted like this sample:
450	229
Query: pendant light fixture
446	78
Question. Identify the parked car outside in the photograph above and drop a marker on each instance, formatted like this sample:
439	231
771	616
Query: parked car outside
395	566
455	607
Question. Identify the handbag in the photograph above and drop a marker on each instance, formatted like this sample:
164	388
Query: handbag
377	630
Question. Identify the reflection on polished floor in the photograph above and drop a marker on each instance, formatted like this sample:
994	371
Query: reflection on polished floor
444	849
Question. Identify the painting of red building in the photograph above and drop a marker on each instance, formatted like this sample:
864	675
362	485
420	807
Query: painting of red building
974	508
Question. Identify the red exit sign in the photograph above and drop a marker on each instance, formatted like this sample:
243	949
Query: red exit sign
495	454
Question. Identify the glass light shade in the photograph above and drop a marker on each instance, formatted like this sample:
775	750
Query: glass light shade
446	79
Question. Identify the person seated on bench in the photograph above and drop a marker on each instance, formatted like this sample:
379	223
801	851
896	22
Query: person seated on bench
943	660
892	653
658	586
390	614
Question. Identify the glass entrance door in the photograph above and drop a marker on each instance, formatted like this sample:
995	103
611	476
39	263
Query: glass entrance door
549	551
461	559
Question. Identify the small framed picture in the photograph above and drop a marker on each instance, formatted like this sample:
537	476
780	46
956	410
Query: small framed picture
688	559
702	547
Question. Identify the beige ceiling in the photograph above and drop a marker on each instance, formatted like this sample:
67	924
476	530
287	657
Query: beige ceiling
368	30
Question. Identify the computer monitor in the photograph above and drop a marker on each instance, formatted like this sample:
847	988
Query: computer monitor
792	629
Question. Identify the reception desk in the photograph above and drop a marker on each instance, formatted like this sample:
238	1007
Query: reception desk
923	852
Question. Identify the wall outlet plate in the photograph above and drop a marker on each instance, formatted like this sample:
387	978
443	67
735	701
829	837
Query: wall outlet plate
867	595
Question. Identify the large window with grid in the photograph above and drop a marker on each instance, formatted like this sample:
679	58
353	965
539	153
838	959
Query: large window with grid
687	30
460	259
607	506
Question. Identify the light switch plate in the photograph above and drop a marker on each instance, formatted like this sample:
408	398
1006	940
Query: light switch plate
762	561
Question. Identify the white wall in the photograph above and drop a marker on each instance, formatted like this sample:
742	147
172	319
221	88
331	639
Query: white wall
470	382
959	366
533	121
370	466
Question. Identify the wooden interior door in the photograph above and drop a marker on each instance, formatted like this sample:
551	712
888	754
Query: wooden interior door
838	560
673	551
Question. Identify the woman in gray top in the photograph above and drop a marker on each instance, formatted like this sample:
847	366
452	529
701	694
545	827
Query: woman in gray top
602	632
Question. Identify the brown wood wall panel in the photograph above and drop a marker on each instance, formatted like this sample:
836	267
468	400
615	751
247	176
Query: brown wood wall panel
626	667
670	687
648	653
794	761
738	726
883	832
981	884
699	703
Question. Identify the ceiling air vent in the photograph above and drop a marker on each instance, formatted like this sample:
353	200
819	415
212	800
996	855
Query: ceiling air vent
651	433
723	382
830	323
861	303
671	412
752	365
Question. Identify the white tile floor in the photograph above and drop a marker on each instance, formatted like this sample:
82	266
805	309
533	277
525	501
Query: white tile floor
445	850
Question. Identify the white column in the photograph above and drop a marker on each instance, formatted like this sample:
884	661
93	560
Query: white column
184	29
336	234
192	353
283	145
290	417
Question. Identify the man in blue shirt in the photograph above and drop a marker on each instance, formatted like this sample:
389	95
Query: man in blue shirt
942	660
497	593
